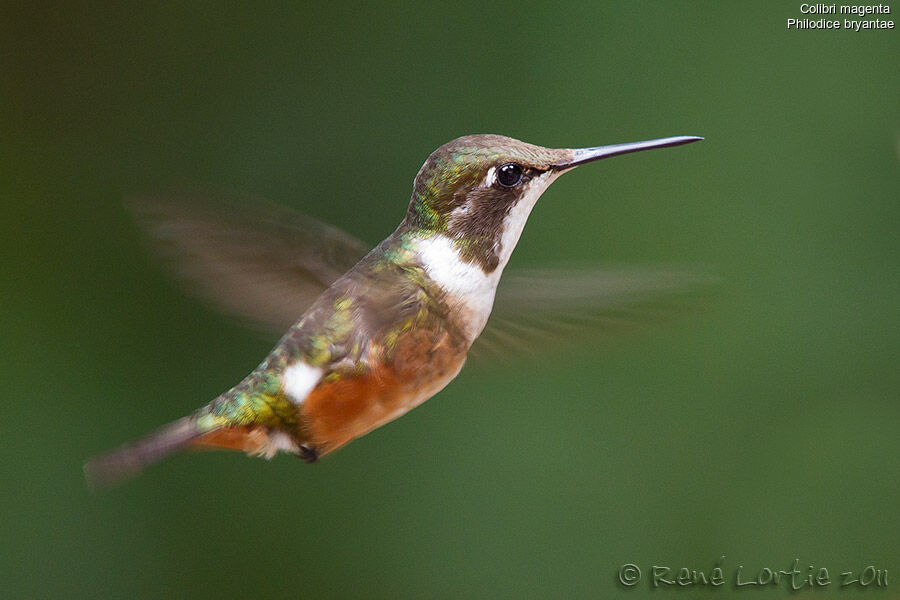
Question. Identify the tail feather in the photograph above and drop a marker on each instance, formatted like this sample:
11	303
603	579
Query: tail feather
248	423
127	461
245	438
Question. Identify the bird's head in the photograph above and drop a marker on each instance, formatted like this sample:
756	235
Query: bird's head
478	190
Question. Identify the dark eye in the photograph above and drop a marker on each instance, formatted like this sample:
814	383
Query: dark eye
509	175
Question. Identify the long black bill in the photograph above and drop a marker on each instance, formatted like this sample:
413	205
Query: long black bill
584	155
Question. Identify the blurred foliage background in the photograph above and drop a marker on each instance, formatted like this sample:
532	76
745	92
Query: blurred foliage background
764	430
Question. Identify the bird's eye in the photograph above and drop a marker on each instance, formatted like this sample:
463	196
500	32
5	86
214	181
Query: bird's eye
509	175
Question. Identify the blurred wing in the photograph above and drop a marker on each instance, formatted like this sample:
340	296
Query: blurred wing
536	310
261	262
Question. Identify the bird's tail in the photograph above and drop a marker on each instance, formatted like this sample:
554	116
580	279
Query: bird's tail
129	460
258	424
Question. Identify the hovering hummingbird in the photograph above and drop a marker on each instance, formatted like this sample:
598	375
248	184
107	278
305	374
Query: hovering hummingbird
382	333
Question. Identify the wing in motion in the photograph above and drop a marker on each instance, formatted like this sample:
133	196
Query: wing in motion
266	264
539	309
255	260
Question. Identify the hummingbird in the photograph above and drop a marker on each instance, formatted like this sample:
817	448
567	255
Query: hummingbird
383	330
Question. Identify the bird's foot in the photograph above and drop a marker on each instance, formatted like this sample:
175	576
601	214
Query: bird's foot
308	453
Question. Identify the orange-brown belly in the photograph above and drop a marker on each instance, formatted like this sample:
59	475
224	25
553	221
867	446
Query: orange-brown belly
348	405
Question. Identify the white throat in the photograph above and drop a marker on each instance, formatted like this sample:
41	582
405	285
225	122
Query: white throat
469	287
514	223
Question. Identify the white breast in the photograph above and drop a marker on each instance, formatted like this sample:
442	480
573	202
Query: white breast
465	281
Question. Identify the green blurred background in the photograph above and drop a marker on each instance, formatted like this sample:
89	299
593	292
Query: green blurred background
763	430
